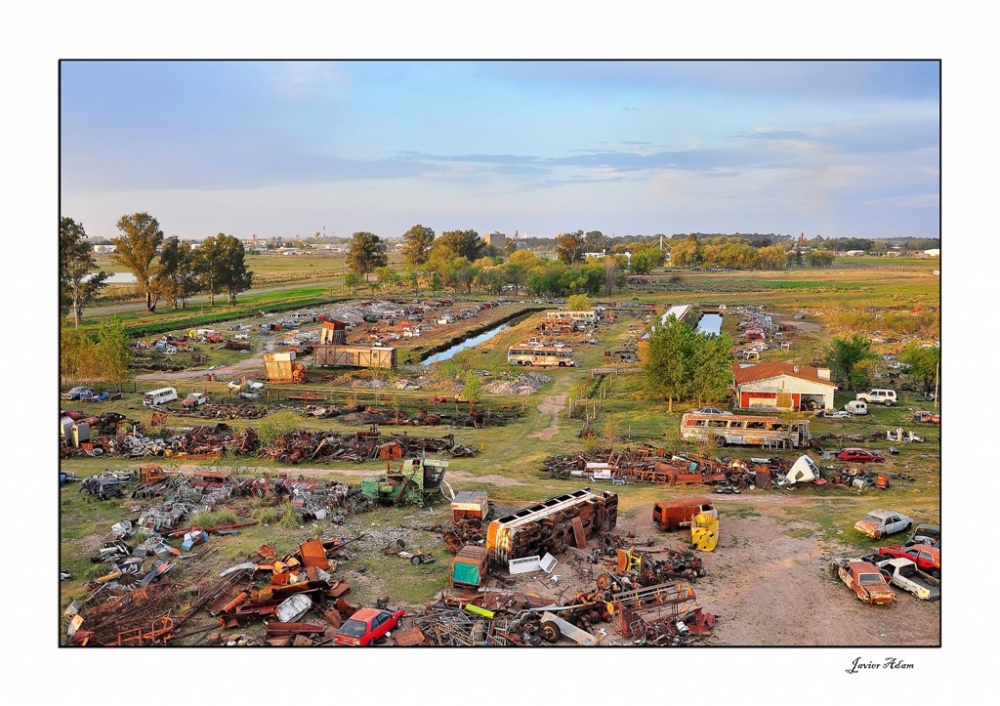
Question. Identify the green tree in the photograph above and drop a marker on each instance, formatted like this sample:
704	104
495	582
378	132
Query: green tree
458	243
925	364
844	357
387	277
78	358
417	242
510	247
236	277
208	267
579	302
819	258
78	283
366	254
353	281
773	257
594	241
136	249
472	389
668	362
643	261
711	367
570	247
175	277
114	352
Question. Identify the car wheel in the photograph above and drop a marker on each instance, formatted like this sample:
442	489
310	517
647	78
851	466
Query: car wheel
720	441
936	573
909	526
550	632
887	403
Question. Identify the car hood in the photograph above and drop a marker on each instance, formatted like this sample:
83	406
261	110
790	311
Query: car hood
866	527
880	594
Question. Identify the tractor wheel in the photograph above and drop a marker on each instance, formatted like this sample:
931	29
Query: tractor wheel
550	632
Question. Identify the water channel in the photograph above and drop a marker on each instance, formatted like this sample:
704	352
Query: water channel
472	342
710	323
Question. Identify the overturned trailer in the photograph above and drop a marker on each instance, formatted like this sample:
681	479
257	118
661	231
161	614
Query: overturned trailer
569	519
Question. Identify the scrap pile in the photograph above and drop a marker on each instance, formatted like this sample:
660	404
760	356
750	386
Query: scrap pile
650	464
280	591
222	411
323	447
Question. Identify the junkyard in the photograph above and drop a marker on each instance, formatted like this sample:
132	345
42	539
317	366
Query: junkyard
283	497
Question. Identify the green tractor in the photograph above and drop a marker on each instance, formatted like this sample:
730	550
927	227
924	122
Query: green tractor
415	482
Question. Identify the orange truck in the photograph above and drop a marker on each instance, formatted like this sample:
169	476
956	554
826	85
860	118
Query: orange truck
669	516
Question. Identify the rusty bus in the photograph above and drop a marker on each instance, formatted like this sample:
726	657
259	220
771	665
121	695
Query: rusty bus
545	527
540	356
745	430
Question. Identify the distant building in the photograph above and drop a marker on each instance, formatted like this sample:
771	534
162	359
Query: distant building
854	253
497	240
933	252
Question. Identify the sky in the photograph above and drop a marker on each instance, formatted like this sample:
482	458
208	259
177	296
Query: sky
277	148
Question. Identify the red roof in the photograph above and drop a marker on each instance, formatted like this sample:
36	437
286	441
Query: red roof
764	371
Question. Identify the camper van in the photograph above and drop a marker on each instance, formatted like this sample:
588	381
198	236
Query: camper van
154	398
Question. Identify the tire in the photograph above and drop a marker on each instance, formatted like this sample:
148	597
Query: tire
550	632
888	403
415	560
720	441
936	573
909	526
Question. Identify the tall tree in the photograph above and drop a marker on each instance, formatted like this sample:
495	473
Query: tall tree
610	274
366	254
686	253
208	266
570	247
78	283
594	241
175	276
711	367
668	361
236	277
844	358
136	249
417	242
78	358
458	243
114	352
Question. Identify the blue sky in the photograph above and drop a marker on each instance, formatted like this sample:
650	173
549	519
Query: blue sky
283	148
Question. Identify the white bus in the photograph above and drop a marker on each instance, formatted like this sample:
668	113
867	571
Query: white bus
745	430
154	398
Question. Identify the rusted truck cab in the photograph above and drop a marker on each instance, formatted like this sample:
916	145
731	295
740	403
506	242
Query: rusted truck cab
676	514
865	579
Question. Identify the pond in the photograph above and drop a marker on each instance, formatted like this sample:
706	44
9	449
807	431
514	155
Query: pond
710	323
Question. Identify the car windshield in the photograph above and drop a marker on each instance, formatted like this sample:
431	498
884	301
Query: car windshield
352	628
868	579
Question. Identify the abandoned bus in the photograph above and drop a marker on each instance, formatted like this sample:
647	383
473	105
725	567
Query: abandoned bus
745	430
540	356
154	398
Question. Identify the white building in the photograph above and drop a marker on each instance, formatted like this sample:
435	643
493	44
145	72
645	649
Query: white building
783	386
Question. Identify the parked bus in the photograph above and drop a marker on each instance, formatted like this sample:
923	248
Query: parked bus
745	430
155	398
540	356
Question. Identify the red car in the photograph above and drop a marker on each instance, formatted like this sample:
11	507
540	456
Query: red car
860	456
367	625
926	557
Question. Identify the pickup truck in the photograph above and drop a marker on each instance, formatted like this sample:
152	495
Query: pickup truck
865	579
195	399
905	574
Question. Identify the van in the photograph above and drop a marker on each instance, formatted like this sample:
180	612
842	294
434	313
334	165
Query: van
878	396
679	513
155	398
857	407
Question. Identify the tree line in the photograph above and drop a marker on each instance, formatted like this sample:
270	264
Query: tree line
164	268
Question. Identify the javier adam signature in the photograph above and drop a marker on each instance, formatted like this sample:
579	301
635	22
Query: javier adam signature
890	663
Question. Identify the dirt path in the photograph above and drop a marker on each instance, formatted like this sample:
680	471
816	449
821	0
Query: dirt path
550	405
254	362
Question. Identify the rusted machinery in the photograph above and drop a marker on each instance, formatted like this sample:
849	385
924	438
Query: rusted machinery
569	519
281	367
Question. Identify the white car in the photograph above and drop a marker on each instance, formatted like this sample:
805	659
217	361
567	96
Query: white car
712	410
857	407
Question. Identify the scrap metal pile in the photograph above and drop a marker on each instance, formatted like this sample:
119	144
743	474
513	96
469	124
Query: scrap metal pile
280	591
651	464
635	598
322	447
221	411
